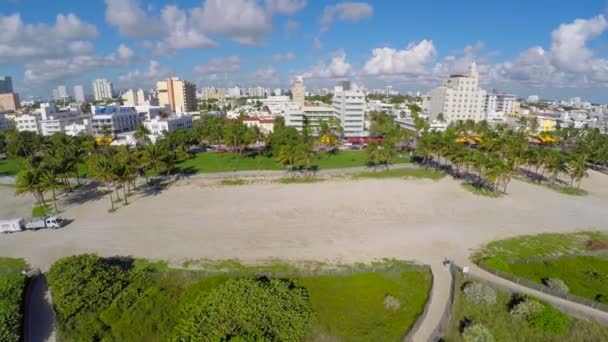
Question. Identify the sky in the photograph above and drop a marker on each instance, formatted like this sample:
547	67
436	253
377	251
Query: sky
555	49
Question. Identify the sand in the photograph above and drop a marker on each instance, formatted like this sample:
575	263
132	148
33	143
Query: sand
341	221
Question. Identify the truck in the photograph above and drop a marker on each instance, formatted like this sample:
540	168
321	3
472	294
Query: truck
19	224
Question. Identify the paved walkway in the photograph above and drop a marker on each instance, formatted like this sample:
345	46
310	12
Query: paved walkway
440	295
39	314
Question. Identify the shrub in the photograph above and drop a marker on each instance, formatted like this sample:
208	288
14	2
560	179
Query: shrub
82	286
391	303
11	290
496	263
476	332
602	298
251	309
479	293
556	284
540	316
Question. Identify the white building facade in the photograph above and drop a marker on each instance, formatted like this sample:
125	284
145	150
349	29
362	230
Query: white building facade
117	119
159	125
298	92
349	106
102	89
79	94
459	98
496	105
27	123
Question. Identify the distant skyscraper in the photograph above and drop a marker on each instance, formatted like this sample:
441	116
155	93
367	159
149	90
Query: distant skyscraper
6	84
298	92
345	85
62	91
79	94
102	89
55	94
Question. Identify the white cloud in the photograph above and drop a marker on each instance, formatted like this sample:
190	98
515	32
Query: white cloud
145	78
412	60
58	69
220	65
182	33
244	21
125	52
266	74
568	43
287	7
131	20
338	67
284	57
29	42
345	11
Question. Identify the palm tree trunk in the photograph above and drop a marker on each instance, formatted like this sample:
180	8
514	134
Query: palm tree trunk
110	192
54	200
542	175
124	193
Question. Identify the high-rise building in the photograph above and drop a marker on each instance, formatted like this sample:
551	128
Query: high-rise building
9	102
6	84
62	91
180	95
79	94
102	89
130	98
345	85
496	105
459	98
298	92
349	107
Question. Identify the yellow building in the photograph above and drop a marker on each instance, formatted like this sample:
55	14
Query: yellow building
180	95
546	124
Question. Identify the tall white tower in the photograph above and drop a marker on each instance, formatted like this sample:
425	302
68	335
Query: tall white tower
298	92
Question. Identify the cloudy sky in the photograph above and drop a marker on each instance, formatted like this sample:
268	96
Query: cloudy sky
556	49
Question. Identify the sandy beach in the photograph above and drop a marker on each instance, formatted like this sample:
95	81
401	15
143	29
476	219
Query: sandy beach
335	221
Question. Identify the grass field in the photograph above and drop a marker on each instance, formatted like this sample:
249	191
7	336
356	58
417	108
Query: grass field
299	180
12	284
348	300
528	246
585	276
208	162
504	327
9	167
403	173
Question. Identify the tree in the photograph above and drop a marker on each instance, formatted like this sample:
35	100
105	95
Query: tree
103	170
374	154
154	157
577	169
28	181
49	181
141	135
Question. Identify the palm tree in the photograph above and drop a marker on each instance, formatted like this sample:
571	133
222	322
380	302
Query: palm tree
28	181
49	181
577	169
154	157
103	171
374	154
141	135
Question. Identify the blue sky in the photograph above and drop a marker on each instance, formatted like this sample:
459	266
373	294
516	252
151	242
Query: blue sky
551	48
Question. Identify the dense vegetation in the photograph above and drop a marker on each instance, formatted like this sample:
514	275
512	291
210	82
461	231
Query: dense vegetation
551	260
12	284
122	299
515	318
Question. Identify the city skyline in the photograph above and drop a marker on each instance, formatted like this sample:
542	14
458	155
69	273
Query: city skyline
409	46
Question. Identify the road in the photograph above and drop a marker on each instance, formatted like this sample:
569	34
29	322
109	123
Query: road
39	314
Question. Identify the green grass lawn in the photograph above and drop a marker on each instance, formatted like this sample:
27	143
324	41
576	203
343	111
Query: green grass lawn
348	301
504	327
402	173
40	210
12	284
586	276
9	167
527	246
350	308
233	182
299	180
208	162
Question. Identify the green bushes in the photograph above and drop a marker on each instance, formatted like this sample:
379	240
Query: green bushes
556	284
479	293
251	309
476	332
539	316
82	287
11	293
496	263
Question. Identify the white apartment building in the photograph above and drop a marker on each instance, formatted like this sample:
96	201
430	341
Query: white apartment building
117	118
102	89
55	121
496	105
298	92
210	93
349	107
459	98
159	125
27	123
5	124
266	124
79	94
